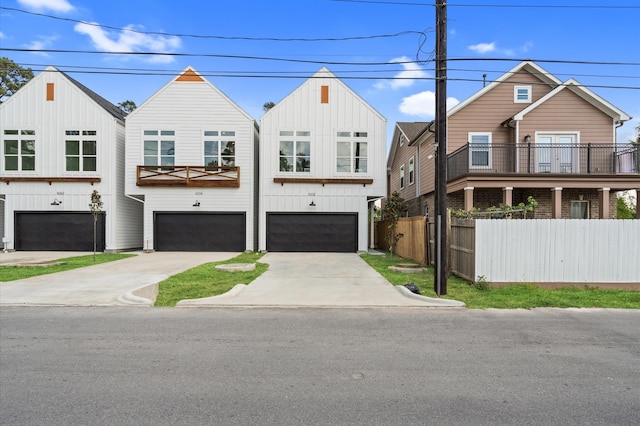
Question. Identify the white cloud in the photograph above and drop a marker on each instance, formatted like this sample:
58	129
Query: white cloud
483	47
55	5
1	35
130	41
404	78
41	43
423	104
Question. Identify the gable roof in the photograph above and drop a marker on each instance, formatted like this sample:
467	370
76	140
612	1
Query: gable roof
324	73
410	130
102	102
573	85
190	75
533	68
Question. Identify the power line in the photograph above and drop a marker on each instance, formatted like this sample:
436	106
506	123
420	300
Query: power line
309	61
532	6
305	77
217	37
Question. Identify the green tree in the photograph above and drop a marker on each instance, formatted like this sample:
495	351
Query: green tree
393	209
267	106
625	208
127	106
12	77
96	210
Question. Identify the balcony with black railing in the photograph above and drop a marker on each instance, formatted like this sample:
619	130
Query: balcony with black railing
538	159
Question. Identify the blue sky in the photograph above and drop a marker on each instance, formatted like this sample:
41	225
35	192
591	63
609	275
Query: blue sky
479	34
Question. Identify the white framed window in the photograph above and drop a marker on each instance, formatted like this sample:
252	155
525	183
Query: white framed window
580	209
479	150
80	150
159	148
401	140
295	151
522	94
402	177
219	148
411	171
19	150
351	152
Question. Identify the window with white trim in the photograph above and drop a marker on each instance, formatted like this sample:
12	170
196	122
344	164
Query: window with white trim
522	94
219	148
159	148
479	150
411	171
19	149
580	209
80	150
402	177
351	152
295	151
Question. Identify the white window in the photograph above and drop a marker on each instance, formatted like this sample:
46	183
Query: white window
401	140
402	177
522	94
219	148
579	209
411	171
479	150
19	150
351	152
80	150
295	151
159	148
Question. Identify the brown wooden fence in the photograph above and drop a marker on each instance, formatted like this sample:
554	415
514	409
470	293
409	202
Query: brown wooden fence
418	243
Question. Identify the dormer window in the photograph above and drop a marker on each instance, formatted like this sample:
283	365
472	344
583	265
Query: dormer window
522	94
401	140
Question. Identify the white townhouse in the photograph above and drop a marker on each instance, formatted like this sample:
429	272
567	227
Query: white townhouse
191	163
60	142
322	166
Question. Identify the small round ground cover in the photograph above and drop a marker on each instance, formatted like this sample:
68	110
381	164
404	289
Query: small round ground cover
237	267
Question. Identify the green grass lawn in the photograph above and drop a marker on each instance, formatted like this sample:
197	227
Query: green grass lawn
206	281
11	273
510	297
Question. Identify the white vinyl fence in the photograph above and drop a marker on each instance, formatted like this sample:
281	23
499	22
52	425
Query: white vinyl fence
558	251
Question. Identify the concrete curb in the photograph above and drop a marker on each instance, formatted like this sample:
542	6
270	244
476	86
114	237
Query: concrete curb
141	296
206	301
430	300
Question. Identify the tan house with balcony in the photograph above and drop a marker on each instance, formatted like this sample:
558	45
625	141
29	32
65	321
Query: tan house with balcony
526	134
191	160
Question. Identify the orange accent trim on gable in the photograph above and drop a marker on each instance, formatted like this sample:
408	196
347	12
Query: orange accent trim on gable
189	75
324	94
50	91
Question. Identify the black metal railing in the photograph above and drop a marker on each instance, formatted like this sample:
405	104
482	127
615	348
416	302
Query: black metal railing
533	158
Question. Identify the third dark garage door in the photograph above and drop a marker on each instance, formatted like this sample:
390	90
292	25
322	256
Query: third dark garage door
312	232
177	231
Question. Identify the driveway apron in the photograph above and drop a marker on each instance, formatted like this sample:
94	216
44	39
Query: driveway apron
320	280
102	284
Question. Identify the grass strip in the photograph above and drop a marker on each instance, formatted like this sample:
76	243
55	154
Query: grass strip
509	297
206	281
12	273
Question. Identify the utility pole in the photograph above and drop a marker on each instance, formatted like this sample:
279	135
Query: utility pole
440	283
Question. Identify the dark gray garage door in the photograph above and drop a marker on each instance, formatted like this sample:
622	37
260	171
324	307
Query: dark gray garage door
176	231
330	232
57	231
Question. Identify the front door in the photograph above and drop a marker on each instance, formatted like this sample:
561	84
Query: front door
557	153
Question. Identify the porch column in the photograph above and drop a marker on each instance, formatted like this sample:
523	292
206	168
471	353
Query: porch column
556	203
507	196
603	203
468	198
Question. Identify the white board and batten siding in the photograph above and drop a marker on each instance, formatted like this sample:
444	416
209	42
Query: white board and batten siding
558	251
341	110
51	104
189	108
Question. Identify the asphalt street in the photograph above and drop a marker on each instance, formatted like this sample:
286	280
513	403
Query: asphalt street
387	366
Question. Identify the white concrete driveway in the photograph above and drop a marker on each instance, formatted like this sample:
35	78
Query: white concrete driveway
103	284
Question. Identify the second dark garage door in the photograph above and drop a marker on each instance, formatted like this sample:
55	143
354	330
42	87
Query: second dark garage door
176	231
309	232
